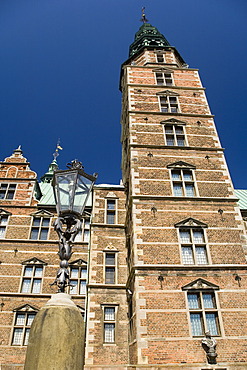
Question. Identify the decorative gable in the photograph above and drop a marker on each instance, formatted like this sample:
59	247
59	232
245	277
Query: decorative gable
34	261
173	121
4	213
200	284
26	308
163	70
42	213
110	247
79	262
190	222
111	195
181	164
167	93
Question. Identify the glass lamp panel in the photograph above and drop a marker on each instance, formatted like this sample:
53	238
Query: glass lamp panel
65	186
82	190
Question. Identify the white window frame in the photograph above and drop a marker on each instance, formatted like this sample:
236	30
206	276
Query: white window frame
79	279
40	227
113	266
113	322
111	211
175	134
169	104
25	327
162	80
202	311
7	190
194	245
183	181
32	276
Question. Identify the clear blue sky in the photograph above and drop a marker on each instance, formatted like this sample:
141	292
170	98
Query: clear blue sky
60	62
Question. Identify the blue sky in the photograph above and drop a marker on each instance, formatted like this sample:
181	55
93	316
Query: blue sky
60	63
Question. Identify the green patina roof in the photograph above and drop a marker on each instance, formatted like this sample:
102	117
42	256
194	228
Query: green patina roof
147	36
242	195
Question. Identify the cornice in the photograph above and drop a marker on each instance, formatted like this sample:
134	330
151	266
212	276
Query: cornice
170	87
196	199
150	65
150	146
170	114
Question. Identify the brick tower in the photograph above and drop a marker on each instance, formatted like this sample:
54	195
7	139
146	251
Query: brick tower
185	252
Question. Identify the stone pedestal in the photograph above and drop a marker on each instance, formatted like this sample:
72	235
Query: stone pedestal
56	339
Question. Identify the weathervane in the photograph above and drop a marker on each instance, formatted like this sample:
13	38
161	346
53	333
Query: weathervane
143	18
58	147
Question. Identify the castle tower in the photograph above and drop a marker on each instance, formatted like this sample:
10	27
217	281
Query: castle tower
186	260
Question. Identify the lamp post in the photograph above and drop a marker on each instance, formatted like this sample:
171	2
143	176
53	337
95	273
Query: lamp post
56	338
71	191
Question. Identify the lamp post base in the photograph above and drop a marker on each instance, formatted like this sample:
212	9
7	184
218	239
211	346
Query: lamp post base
56	340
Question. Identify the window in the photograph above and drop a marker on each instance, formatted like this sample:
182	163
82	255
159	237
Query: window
110	268
111	211
164	78
183	183
7	191
32	279
160	58
40	228
84	234
169	104
78	279
109	324
174	135
193	247
203	313
3	225
23	322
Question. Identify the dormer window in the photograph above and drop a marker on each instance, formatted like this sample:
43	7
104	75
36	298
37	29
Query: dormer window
7	191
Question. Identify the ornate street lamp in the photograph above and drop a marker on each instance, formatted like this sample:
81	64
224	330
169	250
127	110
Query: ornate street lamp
71	191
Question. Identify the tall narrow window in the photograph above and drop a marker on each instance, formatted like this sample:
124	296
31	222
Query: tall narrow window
164	78
32	279
78	279
111	211
174	135
7	191
3	225
110	268
160	58
40	228
22	324
203	313
193	247
183	183
84	234
169	104
109	324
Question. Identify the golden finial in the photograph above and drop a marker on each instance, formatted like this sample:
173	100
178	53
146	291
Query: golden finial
58	147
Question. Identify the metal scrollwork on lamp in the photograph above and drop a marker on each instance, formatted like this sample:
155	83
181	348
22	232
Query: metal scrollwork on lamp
72	188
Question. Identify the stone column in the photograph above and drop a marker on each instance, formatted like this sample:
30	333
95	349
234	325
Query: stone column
56	340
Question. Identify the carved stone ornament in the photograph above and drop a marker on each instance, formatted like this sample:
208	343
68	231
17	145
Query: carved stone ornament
209	346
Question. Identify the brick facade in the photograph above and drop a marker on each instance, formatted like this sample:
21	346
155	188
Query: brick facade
166	256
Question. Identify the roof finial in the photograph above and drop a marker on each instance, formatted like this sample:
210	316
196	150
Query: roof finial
143	19
56	154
